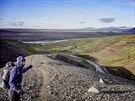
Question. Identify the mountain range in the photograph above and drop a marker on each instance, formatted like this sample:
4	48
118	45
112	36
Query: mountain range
88	29
131	30
111	29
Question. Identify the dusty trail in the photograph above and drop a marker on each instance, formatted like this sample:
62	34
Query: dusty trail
52	80
66	82
38	64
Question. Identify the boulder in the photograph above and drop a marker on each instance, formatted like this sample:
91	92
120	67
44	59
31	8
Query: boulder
101	80
93	90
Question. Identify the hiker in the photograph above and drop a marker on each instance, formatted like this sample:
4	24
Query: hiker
15	79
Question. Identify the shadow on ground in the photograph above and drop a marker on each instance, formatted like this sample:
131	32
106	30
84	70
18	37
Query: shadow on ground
93	59
120	71
118	92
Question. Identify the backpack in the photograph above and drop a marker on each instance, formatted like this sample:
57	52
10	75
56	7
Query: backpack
6	74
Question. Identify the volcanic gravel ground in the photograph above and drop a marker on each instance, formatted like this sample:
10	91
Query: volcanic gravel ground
52	80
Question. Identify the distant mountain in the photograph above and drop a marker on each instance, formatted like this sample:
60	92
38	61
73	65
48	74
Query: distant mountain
131	30
87	29
108	29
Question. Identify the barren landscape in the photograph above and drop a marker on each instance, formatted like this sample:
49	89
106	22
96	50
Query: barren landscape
52	80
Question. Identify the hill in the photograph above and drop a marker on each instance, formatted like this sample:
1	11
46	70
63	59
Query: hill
53	80
131	30
10	49
110	51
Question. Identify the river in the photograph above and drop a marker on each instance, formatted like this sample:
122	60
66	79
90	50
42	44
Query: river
53	41
98	68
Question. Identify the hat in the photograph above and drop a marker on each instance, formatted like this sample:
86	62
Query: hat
20	58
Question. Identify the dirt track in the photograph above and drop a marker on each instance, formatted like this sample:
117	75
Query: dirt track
52	80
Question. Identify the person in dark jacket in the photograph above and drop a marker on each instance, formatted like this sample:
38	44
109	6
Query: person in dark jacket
16	76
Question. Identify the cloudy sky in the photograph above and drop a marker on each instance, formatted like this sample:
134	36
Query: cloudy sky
66	14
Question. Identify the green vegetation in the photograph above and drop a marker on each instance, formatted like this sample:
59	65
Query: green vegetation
16	44
46	47
92	45
10	49
110	51
133	76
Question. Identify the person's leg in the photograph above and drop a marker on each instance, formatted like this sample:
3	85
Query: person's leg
11	95
17	96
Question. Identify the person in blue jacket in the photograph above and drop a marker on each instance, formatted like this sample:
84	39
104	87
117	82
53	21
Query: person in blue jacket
15	79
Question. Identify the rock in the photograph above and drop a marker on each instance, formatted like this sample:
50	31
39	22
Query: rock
48	86
101	80
2	85
93	90
55	75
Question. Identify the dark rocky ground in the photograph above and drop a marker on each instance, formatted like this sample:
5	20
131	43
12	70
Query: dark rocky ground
52	80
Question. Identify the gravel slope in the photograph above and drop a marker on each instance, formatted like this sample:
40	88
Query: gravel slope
52	80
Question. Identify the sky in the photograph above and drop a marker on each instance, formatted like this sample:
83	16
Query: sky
66	14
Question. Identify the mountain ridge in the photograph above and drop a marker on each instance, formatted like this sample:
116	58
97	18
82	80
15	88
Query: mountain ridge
131	30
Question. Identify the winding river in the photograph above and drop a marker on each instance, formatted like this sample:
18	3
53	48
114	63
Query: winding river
98	68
